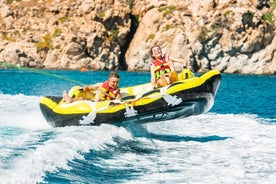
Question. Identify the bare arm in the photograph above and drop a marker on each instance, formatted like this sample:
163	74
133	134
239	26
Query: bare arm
178	60
153	80
93	87
118	95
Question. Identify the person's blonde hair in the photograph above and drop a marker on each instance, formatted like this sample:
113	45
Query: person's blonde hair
114	74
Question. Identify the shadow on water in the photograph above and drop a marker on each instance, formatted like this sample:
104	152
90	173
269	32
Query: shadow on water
176	138
138	130
131	146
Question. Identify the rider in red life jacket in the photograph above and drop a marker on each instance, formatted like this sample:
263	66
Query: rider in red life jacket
107	90
162	69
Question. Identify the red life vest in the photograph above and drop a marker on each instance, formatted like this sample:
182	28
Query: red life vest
108	93
161	67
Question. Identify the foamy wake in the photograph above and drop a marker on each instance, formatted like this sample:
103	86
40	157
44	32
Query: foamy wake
203	147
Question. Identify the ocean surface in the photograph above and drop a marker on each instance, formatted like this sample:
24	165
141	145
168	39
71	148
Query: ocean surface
234	143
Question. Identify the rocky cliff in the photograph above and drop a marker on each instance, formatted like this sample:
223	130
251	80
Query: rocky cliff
233	36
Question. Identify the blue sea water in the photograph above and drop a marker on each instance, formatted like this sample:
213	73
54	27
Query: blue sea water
233	143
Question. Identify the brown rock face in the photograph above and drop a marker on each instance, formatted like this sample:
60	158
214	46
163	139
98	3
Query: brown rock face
233	36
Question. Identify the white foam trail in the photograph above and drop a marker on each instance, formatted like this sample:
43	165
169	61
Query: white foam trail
64	145
209	123
21	111
247	156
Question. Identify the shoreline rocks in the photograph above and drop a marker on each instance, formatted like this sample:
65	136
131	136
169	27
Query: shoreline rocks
230	36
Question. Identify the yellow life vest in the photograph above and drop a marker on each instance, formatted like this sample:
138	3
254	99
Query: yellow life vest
161	68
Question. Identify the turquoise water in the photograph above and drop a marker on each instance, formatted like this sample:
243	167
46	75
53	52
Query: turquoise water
233	143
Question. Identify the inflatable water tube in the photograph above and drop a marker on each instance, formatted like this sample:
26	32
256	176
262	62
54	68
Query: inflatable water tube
188	96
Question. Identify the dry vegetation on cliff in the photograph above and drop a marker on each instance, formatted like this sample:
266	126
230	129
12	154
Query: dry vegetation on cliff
233	36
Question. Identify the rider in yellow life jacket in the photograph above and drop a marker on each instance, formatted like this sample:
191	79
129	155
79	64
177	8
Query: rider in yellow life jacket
162	69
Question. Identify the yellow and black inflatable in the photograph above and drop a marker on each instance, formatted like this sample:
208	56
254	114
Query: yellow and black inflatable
188	96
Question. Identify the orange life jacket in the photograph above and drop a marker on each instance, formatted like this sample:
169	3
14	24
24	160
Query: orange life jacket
161	67
108	93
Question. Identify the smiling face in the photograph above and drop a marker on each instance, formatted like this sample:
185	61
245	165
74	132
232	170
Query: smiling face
156	52
113	82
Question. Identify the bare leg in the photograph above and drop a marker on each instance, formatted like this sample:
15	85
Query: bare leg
162	81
